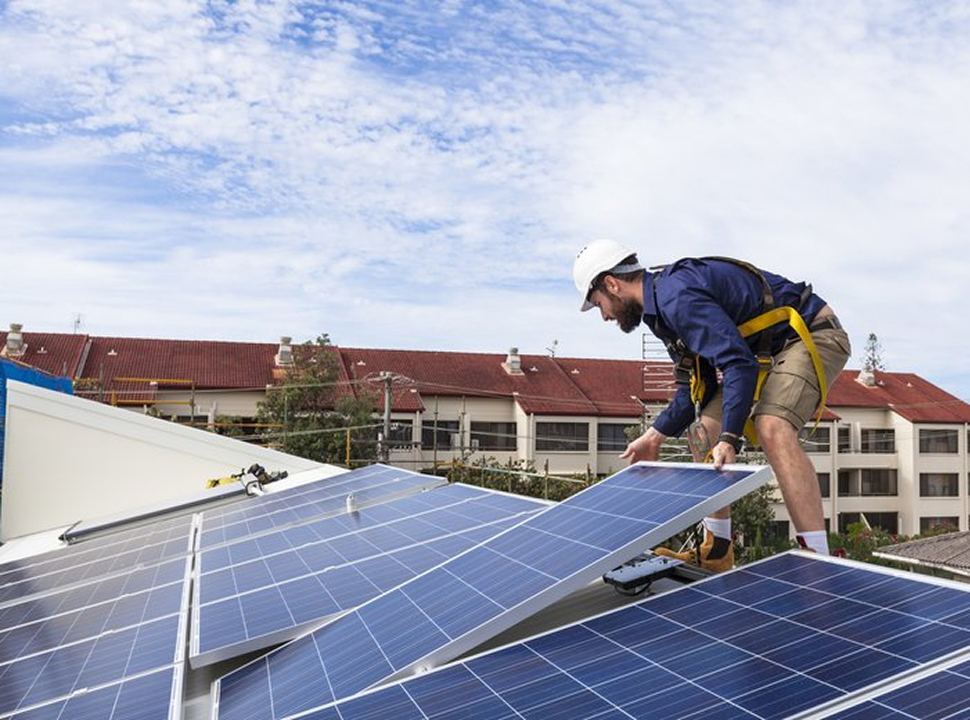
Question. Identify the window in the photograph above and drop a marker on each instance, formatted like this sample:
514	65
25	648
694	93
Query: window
776	532
846	488
938	485
437	435
612	436
819	441
877	482
401	434
562	436
937	441
494	435
824	484
868	482
846	519
845	440
875	440
888	521
938	524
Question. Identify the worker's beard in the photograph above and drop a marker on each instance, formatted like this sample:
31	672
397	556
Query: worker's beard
628	313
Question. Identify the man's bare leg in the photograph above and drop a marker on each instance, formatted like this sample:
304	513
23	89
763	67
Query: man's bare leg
795	474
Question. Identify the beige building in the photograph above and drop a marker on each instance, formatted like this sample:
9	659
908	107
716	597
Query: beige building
892	447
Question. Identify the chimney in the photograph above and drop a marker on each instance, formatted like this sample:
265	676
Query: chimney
284	356
15	341
867	377
513	363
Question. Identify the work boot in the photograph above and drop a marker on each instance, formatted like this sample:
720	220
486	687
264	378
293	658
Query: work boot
716	554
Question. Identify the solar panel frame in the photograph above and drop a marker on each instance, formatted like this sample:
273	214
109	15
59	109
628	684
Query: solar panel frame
514	690
700	491
497	511
180	507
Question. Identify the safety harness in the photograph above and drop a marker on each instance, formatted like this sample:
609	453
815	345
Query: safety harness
688	365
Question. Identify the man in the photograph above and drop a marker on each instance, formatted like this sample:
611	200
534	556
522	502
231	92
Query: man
696	306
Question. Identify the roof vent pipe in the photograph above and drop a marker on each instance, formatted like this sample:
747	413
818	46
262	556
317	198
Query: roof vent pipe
15	341
284	356
513	363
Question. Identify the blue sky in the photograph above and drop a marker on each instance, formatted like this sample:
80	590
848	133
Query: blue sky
420	175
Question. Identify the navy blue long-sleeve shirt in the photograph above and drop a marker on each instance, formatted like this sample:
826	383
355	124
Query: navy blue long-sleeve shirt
702	302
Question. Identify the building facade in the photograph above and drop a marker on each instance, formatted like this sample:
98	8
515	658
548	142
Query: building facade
891	450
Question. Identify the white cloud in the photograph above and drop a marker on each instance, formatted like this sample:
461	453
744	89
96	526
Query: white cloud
403	176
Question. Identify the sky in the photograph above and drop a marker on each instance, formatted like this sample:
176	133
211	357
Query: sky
421	175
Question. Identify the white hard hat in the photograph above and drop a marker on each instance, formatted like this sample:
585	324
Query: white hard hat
598	257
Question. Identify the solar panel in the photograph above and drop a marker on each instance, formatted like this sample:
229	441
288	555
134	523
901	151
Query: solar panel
97	548
59	659
786	637
456	606
260	592
153	696
943	694
83	563
172	509
274	511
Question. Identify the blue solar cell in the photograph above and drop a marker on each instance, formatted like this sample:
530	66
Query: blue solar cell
148	697
108	658
945	694
124	611
36	579
301	504
266	598
143	543
116	543
653	660
435	616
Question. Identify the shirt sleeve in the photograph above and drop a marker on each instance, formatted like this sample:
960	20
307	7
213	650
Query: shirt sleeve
707	330
678	414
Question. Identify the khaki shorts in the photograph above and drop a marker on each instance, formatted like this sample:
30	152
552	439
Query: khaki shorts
791	388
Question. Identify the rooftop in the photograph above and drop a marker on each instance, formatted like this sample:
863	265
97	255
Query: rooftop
546	385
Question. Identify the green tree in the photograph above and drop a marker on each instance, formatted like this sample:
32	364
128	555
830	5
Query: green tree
316	411
859	542
872	354
751	520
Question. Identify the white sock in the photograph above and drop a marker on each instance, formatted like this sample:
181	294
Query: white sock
817	540
719	527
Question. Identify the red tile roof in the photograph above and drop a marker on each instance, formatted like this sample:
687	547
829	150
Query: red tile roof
180	363
55	353
909	395
547	386
542	388
617	387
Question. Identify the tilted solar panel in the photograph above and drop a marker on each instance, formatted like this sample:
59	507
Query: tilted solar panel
456	606
794	635
60	649
284	582
943	694
152	696
84	564
274	511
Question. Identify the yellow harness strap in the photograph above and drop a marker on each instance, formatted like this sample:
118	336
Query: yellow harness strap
767	320
751	327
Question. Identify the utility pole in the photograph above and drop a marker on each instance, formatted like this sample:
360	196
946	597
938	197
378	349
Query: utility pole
385	452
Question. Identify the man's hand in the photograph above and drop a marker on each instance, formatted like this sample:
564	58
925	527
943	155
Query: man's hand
723	453
645	447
